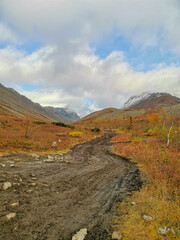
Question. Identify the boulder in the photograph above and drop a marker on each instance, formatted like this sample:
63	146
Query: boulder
10	216
80	235
147	218
163	231
54	144
116	235
7	185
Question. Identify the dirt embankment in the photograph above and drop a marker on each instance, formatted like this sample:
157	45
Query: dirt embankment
54	197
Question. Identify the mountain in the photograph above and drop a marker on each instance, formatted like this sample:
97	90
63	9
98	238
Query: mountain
65	112
151	101
138	105
13	103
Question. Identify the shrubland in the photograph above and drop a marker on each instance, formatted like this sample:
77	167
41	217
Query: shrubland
146	143
29	135
152	140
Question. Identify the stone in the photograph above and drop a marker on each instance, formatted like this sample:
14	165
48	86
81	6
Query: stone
35	155
163	231
32	184
147	218
133	203
54	144
3	165
48	160
10	216
59	140
15	204
32	175
80	235
116	235
12	165
7	185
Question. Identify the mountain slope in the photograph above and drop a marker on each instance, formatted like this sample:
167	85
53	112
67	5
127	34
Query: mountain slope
13	103
151	101
65	112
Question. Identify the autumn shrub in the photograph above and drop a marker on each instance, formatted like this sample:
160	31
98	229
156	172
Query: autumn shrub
137	139
76	134
62	134
158	199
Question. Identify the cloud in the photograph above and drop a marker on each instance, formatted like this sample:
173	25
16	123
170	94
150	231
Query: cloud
142	22
66	67
6	34
102	82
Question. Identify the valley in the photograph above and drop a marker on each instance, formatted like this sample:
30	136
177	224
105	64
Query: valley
60	194
111	173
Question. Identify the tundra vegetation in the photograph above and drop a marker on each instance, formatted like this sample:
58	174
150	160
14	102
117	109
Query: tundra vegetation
151	139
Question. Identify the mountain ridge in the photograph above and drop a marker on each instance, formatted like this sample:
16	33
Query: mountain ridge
13	103
151	100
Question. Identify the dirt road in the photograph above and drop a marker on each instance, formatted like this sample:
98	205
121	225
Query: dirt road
53	197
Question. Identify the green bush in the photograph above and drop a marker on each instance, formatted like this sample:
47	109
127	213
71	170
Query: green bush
95	129
61	124
39	122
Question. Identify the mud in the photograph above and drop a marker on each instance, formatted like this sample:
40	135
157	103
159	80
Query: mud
57	196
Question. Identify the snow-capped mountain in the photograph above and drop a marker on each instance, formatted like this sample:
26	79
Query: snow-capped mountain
150	100
66	112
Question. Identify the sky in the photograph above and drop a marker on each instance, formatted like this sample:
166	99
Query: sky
89	54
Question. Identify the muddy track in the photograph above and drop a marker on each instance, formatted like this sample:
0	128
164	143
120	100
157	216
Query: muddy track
64	194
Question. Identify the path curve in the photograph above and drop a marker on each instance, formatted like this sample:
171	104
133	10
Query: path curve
59	196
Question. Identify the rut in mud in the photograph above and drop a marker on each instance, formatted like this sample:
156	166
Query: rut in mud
57	197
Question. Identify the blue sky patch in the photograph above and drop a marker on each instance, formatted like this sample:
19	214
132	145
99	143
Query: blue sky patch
29	87
140	59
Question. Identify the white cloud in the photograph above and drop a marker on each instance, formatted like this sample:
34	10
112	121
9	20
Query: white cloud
66	66
103	83
144	22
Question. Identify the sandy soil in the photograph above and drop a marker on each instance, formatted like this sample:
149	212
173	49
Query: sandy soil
55	196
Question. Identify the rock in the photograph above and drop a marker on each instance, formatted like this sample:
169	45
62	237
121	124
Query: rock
32	175
34	178
12	165
10	216
7	185
3	165
32	184
163	231
147	218
116	235
59	140
54	144
133	203
50	157
80	235
34	155
15	204
48	160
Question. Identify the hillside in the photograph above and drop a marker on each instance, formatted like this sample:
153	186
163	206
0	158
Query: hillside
151	101
13	103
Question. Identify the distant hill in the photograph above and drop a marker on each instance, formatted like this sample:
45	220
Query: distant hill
151	101
13	103
138	105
